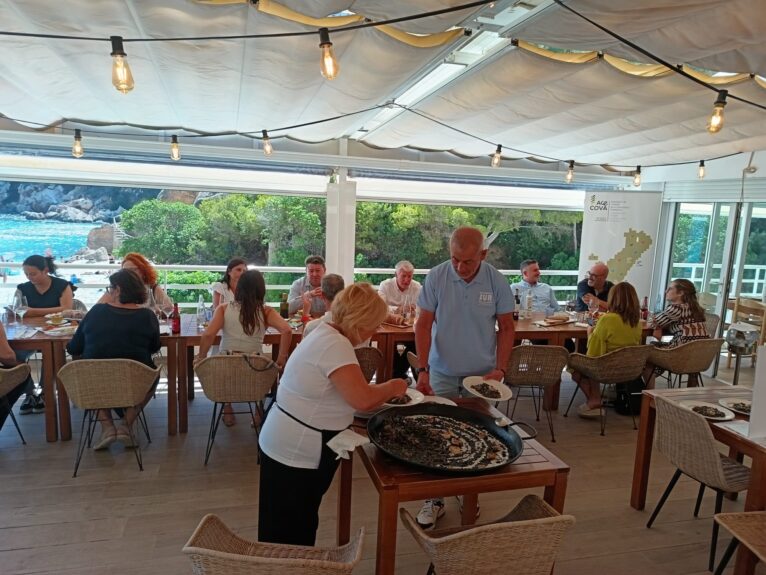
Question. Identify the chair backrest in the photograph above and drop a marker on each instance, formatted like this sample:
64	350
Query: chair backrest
412	359
750	311
369	359
539	365
235	378
711	323
10	378
77	305
215	550
521	547
618	366
104	383
692	357
686	439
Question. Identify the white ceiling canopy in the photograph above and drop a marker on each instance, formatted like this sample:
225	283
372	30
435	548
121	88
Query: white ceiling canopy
593	111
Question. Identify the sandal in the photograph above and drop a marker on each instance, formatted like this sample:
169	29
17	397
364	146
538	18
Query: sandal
229	418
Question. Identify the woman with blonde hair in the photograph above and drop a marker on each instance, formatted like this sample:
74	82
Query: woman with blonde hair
619	327
320	389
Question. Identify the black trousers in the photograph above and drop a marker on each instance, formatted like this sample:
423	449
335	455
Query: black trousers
7	401
401	365
289	497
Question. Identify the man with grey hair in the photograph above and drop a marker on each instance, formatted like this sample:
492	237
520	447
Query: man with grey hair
595	287
332	285
401	294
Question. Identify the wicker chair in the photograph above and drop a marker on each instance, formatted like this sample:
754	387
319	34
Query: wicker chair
369	359
686	439
10	379
235	379
213	549
711	324
524	542
94	384
618	366
536	367
689	359
748	528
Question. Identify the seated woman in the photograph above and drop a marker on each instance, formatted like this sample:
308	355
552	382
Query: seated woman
683	317
138	264
224	290
319	391
244	323
619	327
45	294
7	360
120	328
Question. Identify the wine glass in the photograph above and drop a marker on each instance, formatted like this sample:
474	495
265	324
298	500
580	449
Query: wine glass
593	307
21	306
167	307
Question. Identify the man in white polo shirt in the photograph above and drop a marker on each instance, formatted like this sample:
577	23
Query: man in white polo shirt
455	333
401	294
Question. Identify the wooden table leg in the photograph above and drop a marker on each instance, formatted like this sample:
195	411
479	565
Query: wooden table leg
385	554
551	397
190	374
172	385
470	505
643	454
183	398
387	347
344	500
556	494
755	501
65	416
49	389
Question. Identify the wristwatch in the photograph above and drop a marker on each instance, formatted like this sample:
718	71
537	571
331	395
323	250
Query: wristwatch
420	370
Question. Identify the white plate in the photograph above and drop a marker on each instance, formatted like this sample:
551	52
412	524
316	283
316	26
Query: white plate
504	390
61	324
415	398
66	330
439	399
689	404
729	402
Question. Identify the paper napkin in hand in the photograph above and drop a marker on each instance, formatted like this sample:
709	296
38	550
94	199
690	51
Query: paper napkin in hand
345	442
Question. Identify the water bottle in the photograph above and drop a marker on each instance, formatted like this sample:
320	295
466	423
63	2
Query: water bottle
201	318
528	304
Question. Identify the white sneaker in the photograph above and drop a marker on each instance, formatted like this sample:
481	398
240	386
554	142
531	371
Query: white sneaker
431	511
108	437
123	436
587	413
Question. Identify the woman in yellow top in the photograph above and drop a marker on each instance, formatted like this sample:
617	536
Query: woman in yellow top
619	327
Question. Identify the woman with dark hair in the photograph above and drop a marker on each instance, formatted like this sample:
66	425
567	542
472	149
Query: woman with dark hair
120	328
683	318
619	327
224	290
45	294
244	322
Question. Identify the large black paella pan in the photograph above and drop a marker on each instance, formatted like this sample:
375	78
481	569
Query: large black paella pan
444	438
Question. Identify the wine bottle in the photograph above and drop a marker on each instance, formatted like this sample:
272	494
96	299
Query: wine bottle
284	308
175	320
645	309
517	301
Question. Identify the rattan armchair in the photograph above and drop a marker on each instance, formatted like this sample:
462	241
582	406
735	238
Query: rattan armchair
94	384
10	379
689	359
369	359
215	550
524	542
711	324
235	379
619	366
748	528
686	439
537	367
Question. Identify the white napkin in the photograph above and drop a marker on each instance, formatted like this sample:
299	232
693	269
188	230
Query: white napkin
345	442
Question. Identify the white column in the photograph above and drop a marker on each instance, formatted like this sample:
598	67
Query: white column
340	238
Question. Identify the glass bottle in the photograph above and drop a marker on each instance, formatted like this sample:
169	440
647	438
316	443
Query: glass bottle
201	319
284	308
517	302
645	309
175	320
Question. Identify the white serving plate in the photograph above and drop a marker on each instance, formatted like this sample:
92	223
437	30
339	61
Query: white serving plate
415	398
691	404
504	390
728	403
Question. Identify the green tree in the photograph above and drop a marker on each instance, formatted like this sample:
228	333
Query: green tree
165	232
232	228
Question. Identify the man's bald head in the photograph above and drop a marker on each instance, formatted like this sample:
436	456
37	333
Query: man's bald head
467	251
467	237
597	275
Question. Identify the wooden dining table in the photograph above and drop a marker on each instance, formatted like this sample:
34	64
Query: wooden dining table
728	433
397	482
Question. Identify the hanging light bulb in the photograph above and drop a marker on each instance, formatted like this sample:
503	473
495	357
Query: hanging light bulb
496	157
715	123
77	150
637	177
570	172
328	64
122	78
701	170
175	149
268	149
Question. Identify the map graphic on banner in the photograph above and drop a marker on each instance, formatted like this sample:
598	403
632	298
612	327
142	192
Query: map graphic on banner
620	229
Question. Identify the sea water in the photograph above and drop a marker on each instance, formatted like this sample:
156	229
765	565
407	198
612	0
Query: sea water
20	238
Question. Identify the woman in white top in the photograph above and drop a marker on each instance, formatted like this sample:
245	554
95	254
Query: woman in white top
318	393
243	323
224	290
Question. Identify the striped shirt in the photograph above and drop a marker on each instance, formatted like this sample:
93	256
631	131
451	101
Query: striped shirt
678	321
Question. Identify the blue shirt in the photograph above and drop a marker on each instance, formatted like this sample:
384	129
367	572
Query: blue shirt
543	298
463	336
